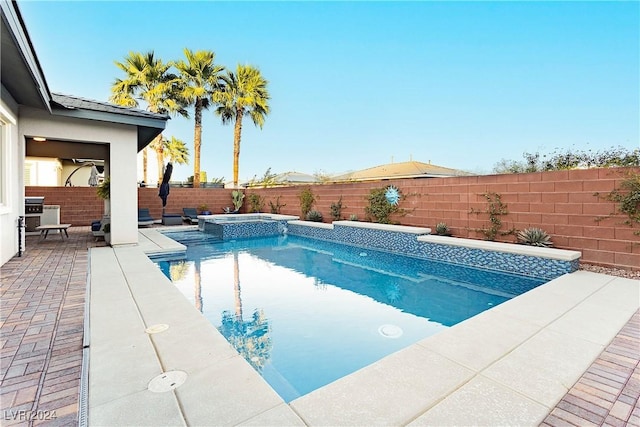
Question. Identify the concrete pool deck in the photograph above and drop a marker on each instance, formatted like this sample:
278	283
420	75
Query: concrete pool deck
510	365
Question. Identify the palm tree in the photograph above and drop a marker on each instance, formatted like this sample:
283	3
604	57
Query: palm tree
251	338
200	78
244	93
174	149
147	79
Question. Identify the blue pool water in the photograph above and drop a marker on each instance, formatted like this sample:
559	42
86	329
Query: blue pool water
305	312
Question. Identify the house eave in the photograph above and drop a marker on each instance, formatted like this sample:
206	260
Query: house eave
148	128
21	73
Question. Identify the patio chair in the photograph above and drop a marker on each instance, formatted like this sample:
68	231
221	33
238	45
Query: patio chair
97	228
190	215
144	218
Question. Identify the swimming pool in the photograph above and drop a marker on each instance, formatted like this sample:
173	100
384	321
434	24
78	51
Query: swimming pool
305	312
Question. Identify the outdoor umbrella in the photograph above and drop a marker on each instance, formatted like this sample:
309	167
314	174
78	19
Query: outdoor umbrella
93	179
164	186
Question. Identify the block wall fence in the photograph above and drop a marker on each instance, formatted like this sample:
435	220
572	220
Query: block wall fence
566	204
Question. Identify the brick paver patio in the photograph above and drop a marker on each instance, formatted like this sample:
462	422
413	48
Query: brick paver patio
41	328
607	394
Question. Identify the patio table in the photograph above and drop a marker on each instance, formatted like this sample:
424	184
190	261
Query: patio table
44	230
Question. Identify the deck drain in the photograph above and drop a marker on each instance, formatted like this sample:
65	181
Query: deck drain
167	381
390	331
154	329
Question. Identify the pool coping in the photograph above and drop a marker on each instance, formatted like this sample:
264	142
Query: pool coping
528	352
511	248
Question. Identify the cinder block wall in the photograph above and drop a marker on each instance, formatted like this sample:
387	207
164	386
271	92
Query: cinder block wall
563	203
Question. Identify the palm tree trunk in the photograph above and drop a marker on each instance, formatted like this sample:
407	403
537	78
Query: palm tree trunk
144	165
198	287
157	143
197	141
237	132
236	287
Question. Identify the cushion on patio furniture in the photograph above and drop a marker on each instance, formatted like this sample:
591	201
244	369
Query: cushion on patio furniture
190	214
144	217
171	219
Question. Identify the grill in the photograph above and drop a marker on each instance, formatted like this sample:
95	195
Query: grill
33	208
33	205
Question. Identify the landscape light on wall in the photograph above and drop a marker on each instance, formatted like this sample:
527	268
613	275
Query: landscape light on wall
39	138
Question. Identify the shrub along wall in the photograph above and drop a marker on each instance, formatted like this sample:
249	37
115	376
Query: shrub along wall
563	203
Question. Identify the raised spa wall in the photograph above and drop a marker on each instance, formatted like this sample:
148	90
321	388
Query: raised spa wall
547	263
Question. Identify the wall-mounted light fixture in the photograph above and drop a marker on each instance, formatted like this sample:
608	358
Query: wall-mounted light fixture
39	138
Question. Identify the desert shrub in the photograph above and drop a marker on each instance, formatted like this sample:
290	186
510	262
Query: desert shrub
534	237
307	199
313	215
336	210
379	209
277	206
442	229
256	202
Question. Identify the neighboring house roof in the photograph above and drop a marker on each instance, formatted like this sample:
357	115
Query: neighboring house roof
411	169
295	178
283	179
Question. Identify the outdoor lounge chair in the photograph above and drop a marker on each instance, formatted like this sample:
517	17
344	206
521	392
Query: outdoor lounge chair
190	215
144	218
97	228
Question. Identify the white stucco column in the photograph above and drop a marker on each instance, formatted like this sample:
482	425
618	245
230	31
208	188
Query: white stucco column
124	192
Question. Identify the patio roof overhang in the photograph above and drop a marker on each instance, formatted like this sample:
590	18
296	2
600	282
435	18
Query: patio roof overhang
149	125
22	77
20	70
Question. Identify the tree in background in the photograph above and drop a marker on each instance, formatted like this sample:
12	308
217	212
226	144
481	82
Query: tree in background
147	79
267	180
173	150
244	94
176	151
200	80
562	160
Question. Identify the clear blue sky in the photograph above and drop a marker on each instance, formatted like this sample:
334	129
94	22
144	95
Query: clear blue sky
357	84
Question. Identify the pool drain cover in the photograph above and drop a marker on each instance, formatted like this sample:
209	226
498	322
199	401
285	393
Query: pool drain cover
390	331
167	381
154	329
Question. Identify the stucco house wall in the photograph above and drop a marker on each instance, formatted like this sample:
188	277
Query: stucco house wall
11	196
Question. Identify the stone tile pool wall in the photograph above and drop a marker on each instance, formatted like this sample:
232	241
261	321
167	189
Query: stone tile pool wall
543	263
236	229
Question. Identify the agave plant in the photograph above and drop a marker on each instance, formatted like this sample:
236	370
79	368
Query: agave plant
442	229
314	215
534	237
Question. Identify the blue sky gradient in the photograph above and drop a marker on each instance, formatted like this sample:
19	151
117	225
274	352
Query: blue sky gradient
357	84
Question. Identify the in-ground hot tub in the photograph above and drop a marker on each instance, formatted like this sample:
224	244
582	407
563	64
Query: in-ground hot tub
236	226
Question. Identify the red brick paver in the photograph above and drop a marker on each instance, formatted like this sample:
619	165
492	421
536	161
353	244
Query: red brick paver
607	394
41	328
